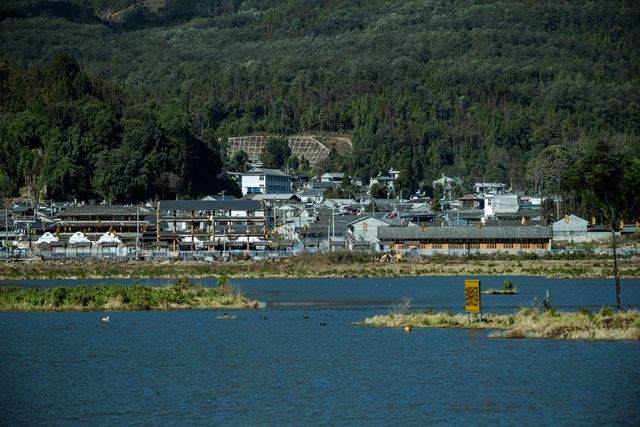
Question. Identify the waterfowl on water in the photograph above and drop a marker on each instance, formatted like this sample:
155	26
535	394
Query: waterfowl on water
105	318
226	317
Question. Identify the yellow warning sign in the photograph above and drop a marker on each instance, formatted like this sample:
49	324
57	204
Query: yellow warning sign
472	295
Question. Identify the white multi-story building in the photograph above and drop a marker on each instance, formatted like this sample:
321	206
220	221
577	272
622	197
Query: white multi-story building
504	203
265	181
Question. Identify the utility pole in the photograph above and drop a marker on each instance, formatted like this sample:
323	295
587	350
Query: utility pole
329	238
6	228
333	224
158	223
616	275
137	231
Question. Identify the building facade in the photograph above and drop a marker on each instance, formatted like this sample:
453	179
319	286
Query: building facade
265	181
465	240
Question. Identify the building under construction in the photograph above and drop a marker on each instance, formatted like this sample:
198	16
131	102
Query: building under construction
210	224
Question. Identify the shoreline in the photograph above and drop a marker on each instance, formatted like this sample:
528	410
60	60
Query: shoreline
604	325
330	266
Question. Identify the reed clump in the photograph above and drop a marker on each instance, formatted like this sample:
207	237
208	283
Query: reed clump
528	323
183	294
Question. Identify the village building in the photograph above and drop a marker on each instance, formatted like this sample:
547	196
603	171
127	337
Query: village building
220	197
336	177
573	229
447	183
471	201
265	181
387	181
464	217
498	204
94	220
365	229
311	195
217	224
465	240
322	185
489	188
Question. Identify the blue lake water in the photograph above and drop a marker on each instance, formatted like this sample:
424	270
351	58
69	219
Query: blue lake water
187	368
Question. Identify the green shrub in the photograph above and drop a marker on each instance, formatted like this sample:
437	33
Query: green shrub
584	311
606	311
56	296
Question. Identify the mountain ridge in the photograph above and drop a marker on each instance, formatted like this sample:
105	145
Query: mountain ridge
474	88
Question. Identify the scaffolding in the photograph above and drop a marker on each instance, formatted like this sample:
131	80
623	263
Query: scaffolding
214	223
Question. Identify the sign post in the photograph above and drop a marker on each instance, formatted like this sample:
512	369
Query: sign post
472	298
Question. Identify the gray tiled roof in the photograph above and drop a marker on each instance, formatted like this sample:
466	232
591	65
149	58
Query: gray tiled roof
265	171
100	210
465	213
273	196
457	233
210	205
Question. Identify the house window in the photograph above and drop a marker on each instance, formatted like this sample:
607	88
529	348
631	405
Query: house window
437	246
524	245
508	245
491	245
456	245
474	245
261	178
540	245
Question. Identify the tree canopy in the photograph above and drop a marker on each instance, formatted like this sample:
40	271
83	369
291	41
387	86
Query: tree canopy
276	152
93	91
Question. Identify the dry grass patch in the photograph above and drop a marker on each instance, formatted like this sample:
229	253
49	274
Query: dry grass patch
527	323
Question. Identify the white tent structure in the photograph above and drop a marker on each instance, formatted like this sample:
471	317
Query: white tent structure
249	240
197	243
46	238
108	237
78	237
245	239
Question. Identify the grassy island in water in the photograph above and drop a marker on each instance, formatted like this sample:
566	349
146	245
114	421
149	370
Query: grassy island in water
526	323
184	294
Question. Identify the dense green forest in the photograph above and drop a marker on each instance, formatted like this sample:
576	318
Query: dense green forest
124	100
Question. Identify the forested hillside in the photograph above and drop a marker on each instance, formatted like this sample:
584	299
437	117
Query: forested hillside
518	91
